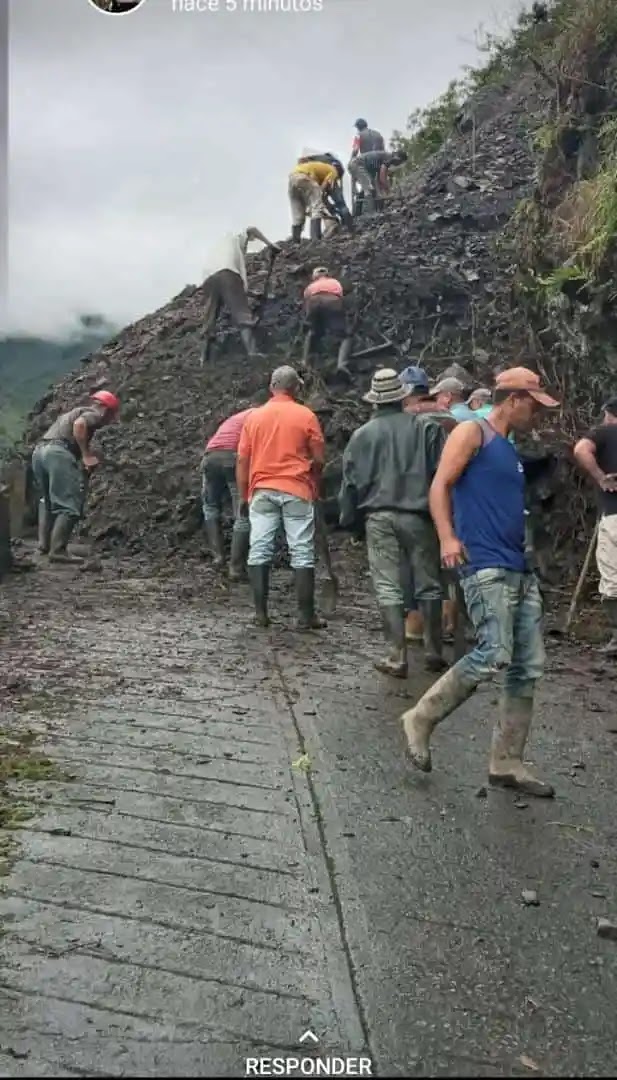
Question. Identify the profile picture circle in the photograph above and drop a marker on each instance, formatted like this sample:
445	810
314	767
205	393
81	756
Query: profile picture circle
116	7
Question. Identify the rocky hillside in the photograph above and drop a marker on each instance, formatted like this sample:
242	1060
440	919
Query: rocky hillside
452	271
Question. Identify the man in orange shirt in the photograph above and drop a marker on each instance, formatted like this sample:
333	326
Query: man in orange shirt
278	472
324	308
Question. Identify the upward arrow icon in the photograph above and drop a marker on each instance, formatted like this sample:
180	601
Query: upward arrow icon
309	1036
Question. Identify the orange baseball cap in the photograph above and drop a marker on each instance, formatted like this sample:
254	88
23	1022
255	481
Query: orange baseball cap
521	378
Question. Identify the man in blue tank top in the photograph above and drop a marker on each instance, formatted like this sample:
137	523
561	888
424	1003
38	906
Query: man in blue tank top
477	501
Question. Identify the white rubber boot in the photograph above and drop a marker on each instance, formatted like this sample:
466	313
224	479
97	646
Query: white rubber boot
506	767
443	698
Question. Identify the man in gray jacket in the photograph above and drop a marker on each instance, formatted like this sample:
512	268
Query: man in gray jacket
388	468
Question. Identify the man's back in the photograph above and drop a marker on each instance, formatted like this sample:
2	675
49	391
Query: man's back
282	440
368	140
396	455
227	435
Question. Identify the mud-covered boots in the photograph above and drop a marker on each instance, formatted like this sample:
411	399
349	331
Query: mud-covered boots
296	233
45	523
61	533
315	228
395	664
240	542
344	355
305	595
259	577
307	348
506	767
250	344
433	640
216	543
610	649
443	698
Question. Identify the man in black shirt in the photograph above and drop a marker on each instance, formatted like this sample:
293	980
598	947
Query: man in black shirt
597	455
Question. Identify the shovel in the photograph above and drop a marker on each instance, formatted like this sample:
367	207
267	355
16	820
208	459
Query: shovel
329	590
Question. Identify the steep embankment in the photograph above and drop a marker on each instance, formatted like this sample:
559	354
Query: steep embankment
440	274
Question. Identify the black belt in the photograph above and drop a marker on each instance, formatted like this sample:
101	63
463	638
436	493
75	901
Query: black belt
62	442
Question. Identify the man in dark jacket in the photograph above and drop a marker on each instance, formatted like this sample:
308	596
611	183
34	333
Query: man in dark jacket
388	467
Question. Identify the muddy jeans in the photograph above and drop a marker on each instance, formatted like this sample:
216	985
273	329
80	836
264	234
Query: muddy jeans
393	536
505	609
59	477
305	197
218	482
606	556
225	289
267	511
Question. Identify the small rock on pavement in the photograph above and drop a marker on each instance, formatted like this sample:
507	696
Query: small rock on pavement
530	898
607	929
481	793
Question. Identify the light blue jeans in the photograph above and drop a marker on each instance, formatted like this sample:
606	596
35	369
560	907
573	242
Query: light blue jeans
267	511
506	611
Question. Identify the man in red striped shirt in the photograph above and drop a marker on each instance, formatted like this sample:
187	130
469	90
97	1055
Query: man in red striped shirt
219	482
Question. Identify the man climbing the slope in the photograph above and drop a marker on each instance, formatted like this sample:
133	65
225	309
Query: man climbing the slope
309	182
324	307
597	455
477	501
226	285
388	466
366	139
61	462
370	171
280	461
218	482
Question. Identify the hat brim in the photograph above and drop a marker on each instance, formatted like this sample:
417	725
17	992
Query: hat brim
386	399
544	399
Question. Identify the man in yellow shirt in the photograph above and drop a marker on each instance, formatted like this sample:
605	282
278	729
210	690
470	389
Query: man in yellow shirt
308	182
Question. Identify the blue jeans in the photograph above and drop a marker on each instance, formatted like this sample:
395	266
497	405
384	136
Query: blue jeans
218	482
267	511
59	477
505	609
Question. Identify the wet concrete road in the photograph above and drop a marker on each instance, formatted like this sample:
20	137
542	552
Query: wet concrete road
235	850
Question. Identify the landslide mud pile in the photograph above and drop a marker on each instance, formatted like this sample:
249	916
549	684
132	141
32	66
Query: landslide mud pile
430	274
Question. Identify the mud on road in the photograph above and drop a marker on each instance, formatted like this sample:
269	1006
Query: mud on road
230	848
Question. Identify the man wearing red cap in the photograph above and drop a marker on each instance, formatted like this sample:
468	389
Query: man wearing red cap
60	462
477	502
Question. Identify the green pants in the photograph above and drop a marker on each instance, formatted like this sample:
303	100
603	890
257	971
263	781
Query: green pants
395	538
59	477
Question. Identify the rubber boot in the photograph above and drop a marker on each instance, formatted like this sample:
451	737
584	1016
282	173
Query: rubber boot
240	542
315	228
214	534
259	577
305	594
414	628
433	641
61	533
296	233
344	354
206	351
450	619
45	524
248	340
307	348
393	618
506	766
443	698
610	649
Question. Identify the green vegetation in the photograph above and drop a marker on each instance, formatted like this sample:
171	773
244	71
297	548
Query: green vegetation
29	365
19	763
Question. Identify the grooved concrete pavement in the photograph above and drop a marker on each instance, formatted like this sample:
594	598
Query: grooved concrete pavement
188	893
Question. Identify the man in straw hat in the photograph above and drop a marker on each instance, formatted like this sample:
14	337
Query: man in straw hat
478	505
388	467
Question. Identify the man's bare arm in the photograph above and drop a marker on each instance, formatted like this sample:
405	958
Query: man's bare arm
81	435
256	234
585	455
461	445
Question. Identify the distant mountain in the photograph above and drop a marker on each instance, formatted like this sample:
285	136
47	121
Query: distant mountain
30	365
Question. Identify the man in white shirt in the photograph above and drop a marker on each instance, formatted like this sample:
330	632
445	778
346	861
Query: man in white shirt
226	285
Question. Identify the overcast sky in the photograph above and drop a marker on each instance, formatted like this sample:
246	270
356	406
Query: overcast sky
135	140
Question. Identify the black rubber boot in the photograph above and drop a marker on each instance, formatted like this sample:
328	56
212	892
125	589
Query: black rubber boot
432	613
61	533
45	524
610	607
296	233
248	340
344	353
315	228
305	593
307	348
393	618
240	542
206	351
216	543
259	577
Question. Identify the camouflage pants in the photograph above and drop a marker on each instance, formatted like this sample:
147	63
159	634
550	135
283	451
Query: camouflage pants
395	538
